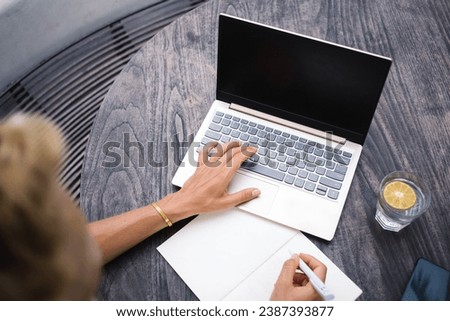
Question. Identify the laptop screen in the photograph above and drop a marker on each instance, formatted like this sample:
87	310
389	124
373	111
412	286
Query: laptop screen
297	78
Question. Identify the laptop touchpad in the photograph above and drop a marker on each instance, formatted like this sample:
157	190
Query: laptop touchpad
260	205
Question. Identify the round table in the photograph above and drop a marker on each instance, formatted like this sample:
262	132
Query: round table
158	102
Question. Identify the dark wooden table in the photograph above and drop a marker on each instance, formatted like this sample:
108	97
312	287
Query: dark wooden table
163	94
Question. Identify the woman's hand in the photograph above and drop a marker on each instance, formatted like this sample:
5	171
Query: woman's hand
293	286
206	190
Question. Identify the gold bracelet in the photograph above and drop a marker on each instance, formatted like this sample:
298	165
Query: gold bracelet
162	214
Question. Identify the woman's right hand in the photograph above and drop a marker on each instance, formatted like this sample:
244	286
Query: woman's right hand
293	286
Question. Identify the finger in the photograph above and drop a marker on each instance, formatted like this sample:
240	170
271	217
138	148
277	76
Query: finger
300	279
241	196
318	267
288	271
218	152
239	155
203	156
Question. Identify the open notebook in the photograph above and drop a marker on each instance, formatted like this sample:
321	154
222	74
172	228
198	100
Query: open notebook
234	255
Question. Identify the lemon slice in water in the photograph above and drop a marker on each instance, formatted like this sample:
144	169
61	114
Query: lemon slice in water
399	195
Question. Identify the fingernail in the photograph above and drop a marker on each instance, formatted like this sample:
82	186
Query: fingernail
256	192
294	256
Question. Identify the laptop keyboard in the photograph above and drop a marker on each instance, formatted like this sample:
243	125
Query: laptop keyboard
293	160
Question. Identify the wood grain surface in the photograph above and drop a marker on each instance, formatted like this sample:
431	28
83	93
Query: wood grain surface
158	102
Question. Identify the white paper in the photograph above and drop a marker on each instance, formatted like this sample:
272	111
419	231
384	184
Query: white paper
234	255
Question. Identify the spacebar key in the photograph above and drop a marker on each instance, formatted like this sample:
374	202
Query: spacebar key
266	171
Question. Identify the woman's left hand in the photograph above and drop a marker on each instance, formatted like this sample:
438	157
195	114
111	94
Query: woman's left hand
207	189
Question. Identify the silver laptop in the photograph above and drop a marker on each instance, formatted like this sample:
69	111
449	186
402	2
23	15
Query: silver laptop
307	105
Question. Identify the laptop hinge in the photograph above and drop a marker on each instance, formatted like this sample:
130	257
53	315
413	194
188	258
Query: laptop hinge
284	122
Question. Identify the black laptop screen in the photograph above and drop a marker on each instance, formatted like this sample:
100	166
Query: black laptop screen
297	78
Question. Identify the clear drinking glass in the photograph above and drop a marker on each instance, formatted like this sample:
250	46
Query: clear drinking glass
402	198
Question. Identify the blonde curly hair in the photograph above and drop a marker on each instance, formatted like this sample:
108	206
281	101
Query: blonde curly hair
45	250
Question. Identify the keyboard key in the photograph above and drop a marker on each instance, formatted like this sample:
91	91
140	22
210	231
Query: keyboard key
333	194
217	119
252	124
294	137
262	142
271	136
234	125
328	155
289	179
341	169
320	146
254	158
308	149
269	130
244	121
219	113
321	190
290	152
225	139
266	171
319	161
318	152
310	167
341	159
282	158
310	186
227	116
243	128
273	164
235	134
293	170
310	158
252	131
299	146
272	145
320	170
244	137
280	139
311	143
330	183
301	164
226	122
235	118
313	177
277	132
262	133
299	182
289	143
262	151
334	175
300	155
282	167
253	140
302	174
347	154
282	149
273	154
215	127
212	135
206	140
286	135
263	160
329	164
302	140
260	126
290	161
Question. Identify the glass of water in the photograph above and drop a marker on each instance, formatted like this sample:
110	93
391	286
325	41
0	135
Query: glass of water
402	198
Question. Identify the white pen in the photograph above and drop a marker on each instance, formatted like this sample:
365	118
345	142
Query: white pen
317	283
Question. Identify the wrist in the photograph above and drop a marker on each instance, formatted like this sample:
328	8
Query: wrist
175	207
